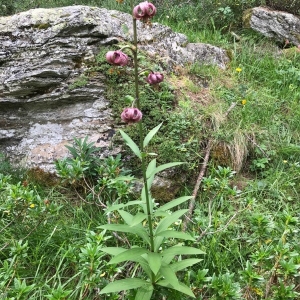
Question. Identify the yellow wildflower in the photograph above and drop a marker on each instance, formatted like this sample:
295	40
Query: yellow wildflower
285	161
238	70
103	274
31	205
257	291
244	101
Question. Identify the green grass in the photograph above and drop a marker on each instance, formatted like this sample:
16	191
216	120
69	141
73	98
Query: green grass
247	223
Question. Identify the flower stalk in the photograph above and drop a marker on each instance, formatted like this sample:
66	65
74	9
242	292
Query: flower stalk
152	258
141	133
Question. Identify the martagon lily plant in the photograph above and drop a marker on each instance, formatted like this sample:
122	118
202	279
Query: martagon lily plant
159	262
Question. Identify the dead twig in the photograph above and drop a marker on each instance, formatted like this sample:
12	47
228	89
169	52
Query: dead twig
231	107
256	145
201	174
197	186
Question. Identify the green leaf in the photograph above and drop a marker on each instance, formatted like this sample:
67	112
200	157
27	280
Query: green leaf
139	259
144	265
150	135
154	260
145	292
169	275
139	230
177	250
176	235
173	203
123	285
133	146
165	166
179	287
119	206
113	250
128	255
167	221
144	200
138	218
161	214
127	217
168	254
157	242
180	265
150	169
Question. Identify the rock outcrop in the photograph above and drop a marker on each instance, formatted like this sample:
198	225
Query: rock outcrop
44	99
280	25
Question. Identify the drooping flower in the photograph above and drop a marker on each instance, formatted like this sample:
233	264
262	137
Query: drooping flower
144	11
131	115
154	78
117	58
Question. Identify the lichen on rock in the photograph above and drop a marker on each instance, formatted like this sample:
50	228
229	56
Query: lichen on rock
279	25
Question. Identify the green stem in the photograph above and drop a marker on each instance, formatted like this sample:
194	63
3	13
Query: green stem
136	73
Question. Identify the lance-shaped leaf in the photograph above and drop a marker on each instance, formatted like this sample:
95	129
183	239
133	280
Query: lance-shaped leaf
122	205
157	242
139	259
169	275
133	146
150	135
128	255
173	203
180	265
176	235
144	265
138	218
151	167
177	250
139	230
167	221
113	250
165	166
170	253
154	260
150	170
123	285
132	220
127	217
145	292
181	287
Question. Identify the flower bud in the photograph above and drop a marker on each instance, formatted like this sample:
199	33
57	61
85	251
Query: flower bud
117	58
154	78
144	11
131	115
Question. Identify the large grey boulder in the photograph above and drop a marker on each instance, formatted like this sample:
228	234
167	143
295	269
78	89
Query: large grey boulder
44	52
280	25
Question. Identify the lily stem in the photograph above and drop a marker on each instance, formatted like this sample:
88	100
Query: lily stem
141	133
